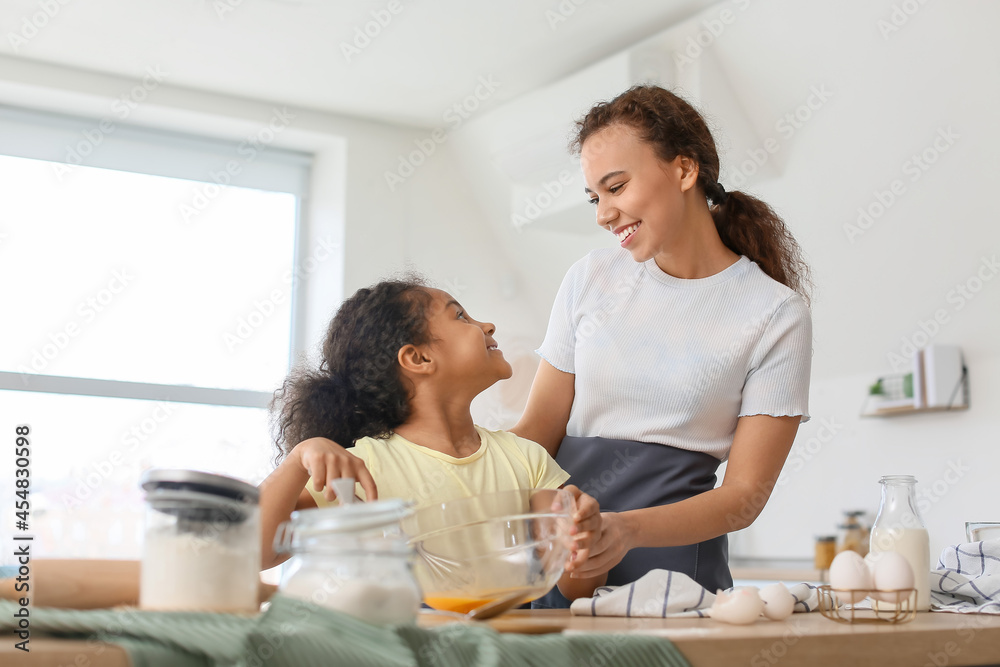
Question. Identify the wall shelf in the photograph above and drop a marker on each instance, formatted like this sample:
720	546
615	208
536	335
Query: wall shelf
894	395
909	410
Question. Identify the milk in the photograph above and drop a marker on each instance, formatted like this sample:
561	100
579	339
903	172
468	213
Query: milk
913	544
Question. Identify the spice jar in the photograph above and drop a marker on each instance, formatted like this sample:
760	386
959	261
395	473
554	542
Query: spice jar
853	535
352	558
202	542
826	550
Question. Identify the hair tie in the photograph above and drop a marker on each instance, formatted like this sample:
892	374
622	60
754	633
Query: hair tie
718	194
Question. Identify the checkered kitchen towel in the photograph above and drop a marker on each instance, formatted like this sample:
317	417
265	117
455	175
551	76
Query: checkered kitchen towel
967	579
663	593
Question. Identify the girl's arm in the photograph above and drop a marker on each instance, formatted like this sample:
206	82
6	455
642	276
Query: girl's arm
760	446
576	587
544	421
281	493
547	412
284	489
585	531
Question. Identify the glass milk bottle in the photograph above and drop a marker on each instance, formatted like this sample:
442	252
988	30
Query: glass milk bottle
898	527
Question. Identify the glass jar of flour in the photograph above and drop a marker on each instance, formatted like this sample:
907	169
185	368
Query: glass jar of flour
202	542
352	558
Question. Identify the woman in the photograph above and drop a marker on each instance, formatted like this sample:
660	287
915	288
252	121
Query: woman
688	346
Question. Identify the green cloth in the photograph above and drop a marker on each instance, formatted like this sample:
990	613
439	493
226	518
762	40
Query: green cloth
293	633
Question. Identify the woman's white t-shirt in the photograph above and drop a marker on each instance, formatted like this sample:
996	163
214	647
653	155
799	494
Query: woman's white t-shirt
666	360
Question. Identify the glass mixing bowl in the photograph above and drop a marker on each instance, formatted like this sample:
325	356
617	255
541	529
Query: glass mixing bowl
475	550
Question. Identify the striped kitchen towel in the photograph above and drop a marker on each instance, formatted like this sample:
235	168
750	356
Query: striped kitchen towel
663	593
294	633
967	579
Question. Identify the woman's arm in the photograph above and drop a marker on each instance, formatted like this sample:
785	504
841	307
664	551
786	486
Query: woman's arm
547	412
760	446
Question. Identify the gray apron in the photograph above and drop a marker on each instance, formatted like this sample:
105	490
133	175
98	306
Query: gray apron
626	475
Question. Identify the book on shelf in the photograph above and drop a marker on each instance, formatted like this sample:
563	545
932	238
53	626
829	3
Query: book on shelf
919	384
943	371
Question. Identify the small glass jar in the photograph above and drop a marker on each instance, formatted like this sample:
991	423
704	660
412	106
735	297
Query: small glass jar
202	542
853	536
352	558
824	553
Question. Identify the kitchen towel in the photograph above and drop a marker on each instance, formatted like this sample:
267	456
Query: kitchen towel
292	633
967	579
663	593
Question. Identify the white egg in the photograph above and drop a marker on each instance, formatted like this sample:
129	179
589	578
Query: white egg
890	572
742	606
849	572
778	602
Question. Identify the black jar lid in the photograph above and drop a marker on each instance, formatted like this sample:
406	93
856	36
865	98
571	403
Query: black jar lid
200	497
179	479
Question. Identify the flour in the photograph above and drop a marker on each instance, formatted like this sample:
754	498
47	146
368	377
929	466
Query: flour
184	571
379	604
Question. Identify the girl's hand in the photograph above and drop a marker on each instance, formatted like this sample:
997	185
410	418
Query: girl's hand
609	548
325	460
585	529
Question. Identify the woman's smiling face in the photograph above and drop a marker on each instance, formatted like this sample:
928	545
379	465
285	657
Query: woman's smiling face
638	196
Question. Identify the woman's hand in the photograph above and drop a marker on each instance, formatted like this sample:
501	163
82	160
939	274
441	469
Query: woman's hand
610	547
325	460
585	529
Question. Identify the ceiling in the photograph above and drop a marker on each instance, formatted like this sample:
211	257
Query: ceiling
417	60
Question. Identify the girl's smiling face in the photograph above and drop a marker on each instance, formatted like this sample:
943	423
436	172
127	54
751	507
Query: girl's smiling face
639	197
463	347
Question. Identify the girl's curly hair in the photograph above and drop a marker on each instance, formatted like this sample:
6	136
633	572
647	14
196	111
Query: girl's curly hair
357	391
747	225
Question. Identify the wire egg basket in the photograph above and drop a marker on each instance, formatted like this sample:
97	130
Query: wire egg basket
901	609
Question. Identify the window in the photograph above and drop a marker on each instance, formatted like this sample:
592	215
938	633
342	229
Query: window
149	289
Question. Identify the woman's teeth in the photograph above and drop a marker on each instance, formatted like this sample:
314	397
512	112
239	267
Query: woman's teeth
627	232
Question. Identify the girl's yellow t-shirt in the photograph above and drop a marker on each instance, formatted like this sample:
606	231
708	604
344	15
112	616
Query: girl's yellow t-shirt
406	470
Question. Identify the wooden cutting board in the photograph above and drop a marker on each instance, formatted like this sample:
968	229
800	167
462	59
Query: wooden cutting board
522	621
86	584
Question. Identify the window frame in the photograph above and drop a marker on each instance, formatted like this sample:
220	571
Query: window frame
43	135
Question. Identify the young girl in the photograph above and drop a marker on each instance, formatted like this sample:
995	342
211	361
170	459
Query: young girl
400	366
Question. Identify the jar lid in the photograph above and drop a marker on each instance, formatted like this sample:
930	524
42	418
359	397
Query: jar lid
179	479
329	527
353	517
200	497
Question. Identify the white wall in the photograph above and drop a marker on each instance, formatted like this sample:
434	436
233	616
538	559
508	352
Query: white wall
891	97
878	96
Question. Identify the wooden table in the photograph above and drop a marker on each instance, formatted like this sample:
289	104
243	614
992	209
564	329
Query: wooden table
805	639
932	638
